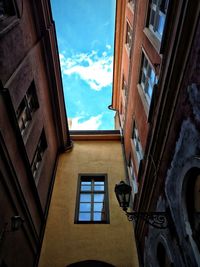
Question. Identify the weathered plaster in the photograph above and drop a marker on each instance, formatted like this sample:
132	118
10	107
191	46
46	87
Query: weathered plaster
66	242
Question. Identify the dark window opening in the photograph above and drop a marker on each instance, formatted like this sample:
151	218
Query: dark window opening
7	9
163	259
9	16
92	199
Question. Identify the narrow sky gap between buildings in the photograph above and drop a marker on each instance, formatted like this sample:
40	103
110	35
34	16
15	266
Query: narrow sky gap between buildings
85	34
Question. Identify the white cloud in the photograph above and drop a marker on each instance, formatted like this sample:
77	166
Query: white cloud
108	46
92	123
95	70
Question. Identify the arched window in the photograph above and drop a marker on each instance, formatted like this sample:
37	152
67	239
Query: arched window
162	257
192	199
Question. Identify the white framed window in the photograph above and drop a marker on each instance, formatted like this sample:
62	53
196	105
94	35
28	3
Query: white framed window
147	78
137	143
157	17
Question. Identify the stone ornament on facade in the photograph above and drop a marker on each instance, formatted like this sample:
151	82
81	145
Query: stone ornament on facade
187	147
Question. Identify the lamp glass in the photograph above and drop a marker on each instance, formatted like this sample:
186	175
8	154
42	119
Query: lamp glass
123	194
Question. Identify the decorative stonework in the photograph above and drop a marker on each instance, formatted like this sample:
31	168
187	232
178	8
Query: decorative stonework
158	236
194	97
186	156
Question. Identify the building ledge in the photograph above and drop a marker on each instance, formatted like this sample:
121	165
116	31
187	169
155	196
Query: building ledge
95	135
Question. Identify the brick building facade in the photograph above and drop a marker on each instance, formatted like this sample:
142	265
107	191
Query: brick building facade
33	127
156	94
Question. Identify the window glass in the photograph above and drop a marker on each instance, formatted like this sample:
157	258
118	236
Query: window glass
98	197
98	216
85	188
85	198
99	188
84	216
85	206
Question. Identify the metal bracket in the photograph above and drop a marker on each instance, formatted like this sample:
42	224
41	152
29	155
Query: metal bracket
158	220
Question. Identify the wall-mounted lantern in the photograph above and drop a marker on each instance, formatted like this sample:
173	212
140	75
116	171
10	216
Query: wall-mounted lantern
156	219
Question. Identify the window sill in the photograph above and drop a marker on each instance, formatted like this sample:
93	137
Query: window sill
91	222
153	39
144	100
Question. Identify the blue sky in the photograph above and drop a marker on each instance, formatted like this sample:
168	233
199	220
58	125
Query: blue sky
85	33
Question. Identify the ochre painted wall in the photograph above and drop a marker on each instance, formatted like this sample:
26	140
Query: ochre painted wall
65	242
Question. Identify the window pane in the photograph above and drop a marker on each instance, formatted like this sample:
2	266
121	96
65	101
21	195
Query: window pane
99	183
84	216
98	197
161	22
149	90
85	198
98	206
98	216
152	76
143	78
85	188
85	183
152	17
99	188
85	206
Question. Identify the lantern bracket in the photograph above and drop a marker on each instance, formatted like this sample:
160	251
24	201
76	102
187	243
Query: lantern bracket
158	220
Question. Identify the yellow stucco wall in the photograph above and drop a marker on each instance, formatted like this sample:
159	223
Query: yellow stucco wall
65	242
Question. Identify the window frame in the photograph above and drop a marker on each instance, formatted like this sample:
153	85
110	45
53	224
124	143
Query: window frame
91	176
